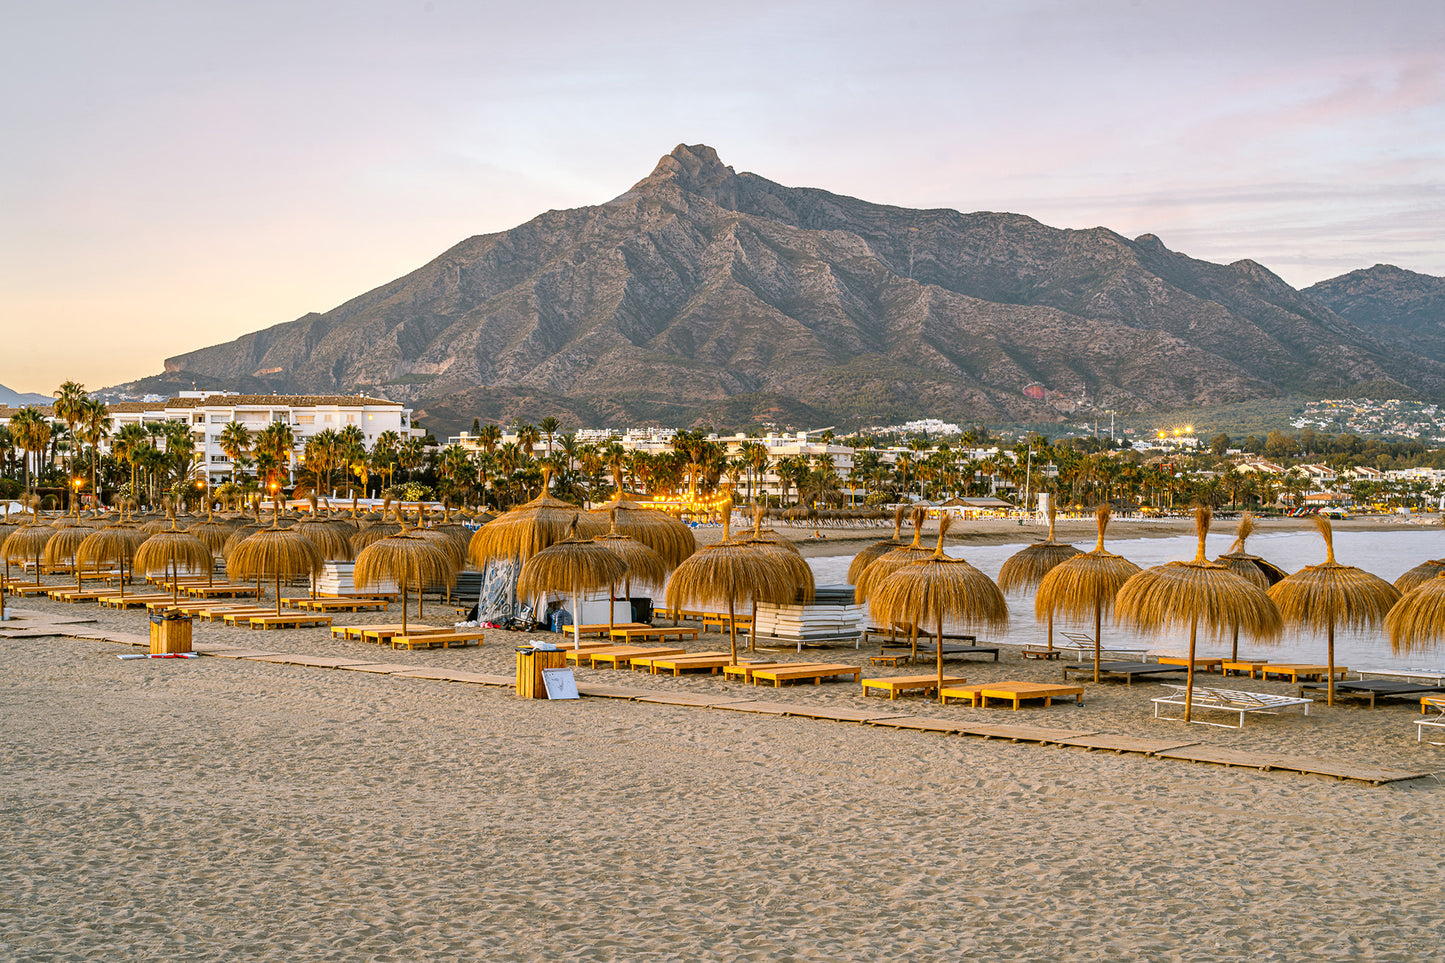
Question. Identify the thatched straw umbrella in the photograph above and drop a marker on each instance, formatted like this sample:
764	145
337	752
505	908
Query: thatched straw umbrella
886	564
573	565
1085	585
6	528
170	551
1420	574
1417	621
214	533
1249	567
27	543
727	573
1026	568
405	559
877	550
938	588
1327	595
1179	593
276	553
60	550
528	529
114	544
665	534
643	564
785	555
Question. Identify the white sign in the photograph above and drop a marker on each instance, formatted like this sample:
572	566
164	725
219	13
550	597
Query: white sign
560	683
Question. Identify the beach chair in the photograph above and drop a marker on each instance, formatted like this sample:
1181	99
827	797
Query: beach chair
1436	721
1208	698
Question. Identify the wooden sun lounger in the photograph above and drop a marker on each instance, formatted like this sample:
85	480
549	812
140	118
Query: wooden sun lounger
283	621
1201	663
382	633
720	619
24	589
431	640
219	613
1437	721
619	655
817	671
601	628
1014	692
1373	689
131	601
1121	670
389	596
221	590
658	632
745	670
339	605
1247	666
1227	700
910	683
1295	671
1422	676
78	595
712	661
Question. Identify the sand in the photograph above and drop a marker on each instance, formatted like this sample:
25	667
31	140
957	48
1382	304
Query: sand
218	809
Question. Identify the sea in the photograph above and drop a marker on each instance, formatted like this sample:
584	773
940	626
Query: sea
1386	554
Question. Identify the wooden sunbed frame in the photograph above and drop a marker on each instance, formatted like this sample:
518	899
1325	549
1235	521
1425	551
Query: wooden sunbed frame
658	632
284	621
713	662
744	670
1294	670
617	655
1437	721
910	683
445	640
339	605
1014	692
1227	700
1125	670
817	671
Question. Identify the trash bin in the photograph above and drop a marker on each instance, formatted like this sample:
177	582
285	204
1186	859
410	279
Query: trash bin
641	610
530	663
170	632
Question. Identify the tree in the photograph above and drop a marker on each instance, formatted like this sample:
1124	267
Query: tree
68	401
410	454
32	434
351	453
549	427
235	439
1219	445
489	437
94	426
278	442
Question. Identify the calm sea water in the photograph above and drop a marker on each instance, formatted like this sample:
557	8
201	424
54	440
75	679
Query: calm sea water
1386	554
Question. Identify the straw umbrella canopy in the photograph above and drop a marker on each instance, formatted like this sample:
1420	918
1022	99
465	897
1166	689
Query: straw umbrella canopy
27	543
726	574
887	563
1417	622
212	532
573	565
528	529
1195	592
877	550
405	559
1026	568
60	549
665	534
112	544
172	551
1322	597
795	571
644	565
1085	585
1249	567
1420	574
6	528
276	553
938	588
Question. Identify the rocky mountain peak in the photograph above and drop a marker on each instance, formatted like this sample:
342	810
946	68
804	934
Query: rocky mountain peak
693	168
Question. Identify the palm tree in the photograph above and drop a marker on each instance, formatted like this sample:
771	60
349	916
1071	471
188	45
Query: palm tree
68	401
127	444
7	448
549	427
351	452
235	439
277	441
527	437
94	427
32	435
410	455
489	437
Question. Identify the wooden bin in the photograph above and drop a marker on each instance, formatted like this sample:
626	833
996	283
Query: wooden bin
529	671
170	635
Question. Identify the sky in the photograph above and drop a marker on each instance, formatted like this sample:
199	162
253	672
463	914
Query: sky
176	174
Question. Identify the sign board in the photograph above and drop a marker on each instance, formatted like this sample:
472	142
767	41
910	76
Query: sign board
560	683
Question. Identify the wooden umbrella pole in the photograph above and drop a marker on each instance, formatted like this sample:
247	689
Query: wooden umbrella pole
1330	689
175	581
1234	655
611	622
576	625
1189	678
278	593
1098	629
1051	630
403	603
938	650
732	630
753	629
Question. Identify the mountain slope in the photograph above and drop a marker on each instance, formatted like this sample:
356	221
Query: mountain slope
1396	306
19	399
701	293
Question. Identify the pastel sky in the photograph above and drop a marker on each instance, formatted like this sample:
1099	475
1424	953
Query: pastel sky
176	174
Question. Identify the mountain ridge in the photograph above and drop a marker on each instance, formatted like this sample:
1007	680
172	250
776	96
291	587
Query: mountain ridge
702	290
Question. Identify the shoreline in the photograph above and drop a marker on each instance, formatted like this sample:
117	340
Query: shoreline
1005	531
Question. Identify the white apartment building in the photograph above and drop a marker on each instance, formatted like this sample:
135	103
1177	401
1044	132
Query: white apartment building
208	412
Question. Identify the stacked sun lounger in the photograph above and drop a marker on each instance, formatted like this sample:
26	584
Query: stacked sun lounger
831	617
336	579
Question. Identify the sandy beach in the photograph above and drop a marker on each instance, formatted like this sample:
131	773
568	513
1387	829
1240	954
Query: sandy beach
222	809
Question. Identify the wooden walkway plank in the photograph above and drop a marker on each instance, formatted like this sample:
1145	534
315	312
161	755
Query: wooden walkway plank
1126	743
1219	756
923	724
1340	769
613	692
689	699
378	668
763	707
1037	734
313	661
243	653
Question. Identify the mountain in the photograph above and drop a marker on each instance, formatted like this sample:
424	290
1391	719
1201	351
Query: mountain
702	295
18	399
1396	306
